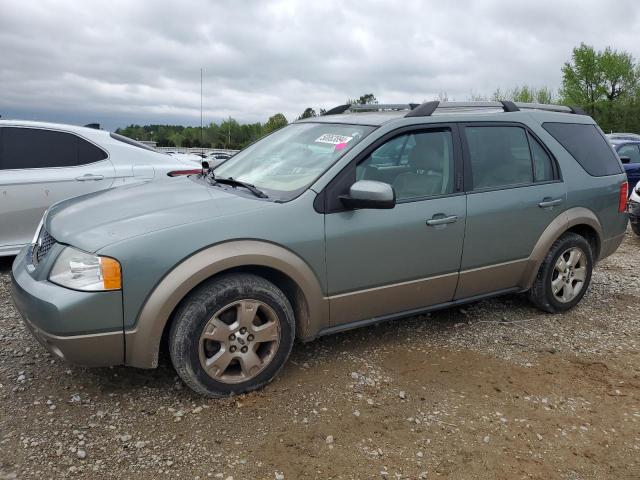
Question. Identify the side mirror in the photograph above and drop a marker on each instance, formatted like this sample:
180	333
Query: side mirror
369	194
625	159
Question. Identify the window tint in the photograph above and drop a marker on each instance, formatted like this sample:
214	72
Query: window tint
630	151
422	164
38	148
585	143
89	153
35	148
499	156
542	163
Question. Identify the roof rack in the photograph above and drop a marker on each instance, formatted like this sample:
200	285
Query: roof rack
429	108
372	107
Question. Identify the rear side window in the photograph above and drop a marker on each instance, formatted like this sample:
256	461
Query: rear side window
500	156
542	163
89	153
37	148
586	144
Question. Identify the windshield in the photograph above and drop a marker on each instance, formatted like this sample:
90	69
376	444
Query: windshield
289	160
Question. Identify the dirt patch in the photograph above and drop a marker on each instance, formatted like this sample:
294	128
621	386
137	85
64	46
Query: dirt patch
492	390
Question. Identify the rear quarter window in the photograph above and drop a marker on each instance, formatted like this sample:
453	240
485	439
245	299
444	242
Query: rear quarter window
586	144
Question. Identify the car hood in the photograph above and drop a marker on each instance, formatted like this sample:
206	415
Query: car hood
93	221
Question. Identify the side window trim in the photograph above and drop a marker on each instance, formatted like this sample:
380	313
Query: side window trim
468	172
337	185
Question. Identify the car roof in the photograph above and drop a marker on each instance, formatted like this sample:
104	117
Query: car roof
623	141
53	126
449	112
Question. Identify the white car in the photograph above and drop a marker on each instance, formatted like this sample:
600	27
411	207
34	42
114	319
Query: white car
634	209
43	163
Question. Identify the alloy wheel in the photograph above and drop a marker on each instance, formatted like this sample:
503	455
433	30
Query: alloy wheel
569	275
239	341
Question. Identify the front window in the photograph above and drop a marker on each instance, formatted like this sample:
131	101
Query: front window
289	160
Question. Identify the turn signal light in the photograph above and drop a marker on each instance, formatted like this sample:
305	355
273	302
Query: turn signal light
111	275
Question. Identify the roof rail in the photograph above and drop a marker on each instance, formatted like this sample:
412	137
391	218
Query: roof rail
429	108
369	107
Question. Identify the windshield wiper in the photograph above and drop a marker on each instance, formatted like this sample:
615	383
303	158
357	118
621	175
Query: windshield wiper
238	183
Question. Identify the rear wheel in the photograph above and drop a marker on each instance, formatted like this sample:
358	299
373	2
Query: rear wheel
636	228
564	276
232	335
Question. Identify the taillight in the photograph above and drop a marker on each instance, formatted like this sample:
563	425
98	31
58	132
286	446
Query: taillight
624	193
177	173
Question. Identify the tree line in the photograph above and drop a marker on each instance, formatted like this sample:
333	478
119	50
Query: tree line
605	83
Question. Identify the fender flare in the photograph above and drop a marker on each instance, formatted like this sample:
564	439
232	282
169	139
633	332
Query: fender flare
143	342
563	222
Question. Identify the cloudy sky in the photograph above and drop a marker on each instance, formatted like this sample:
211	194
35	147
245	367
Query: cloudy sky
120	61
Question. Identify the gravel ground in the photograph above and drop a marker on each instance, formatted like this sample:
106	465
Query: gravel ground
492	390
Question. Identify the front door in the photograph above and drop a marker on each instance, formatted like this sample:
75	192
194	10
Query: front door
382	262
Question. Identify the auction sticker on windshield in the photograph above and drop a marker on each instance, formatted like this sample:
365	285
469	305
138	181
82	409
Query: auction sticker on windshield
333	139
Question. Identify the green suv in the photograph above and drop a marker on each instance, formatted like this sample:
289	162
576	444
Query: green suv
330	223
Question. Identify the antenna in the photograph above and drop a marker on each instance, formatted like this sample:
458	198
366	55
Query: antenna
201	131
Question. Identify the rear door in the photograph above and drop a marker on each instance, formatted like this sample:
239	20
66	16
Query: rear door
40	167
514	191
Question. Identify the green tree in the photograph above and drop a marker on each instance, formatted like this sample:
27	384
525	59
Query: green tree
582	79
308	113
526	94
363	100
593	77
275	122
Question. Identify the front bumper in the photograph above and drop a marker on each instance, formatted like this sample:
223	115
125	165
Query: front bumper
84	328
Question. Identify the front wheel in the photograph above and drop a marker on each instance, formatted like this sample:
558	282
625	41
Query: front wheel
636	228
231	335
564	276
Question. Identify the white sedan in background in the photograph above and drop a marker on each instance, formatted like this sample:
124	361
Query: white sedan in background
43	163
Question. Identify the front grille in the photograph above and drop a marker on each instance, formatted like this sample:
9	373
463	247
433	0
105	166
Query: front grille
42	246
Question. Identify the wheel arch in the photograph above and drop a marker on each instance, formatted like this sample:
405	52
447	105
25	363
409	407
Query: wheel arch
579	220
273	262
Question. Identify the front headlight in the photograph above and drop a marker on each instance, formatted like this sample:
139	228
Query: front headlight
85	271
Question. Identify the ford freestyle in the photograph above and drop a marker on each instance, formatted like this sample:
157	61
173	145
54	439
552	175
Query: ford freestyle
364	214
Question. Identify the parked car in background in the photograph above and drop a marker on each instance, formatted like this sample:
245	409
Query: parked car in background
188	157
217	158
330	223
43	163
634	210
623	136
628	149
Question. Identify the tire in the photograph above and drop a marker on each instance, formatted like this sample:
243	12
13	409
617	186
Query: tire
549	278
636	228
240	320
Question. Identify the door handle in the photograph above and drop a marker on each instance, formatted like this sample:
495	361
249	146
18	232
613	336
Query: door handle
549	202
442	220
89	176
